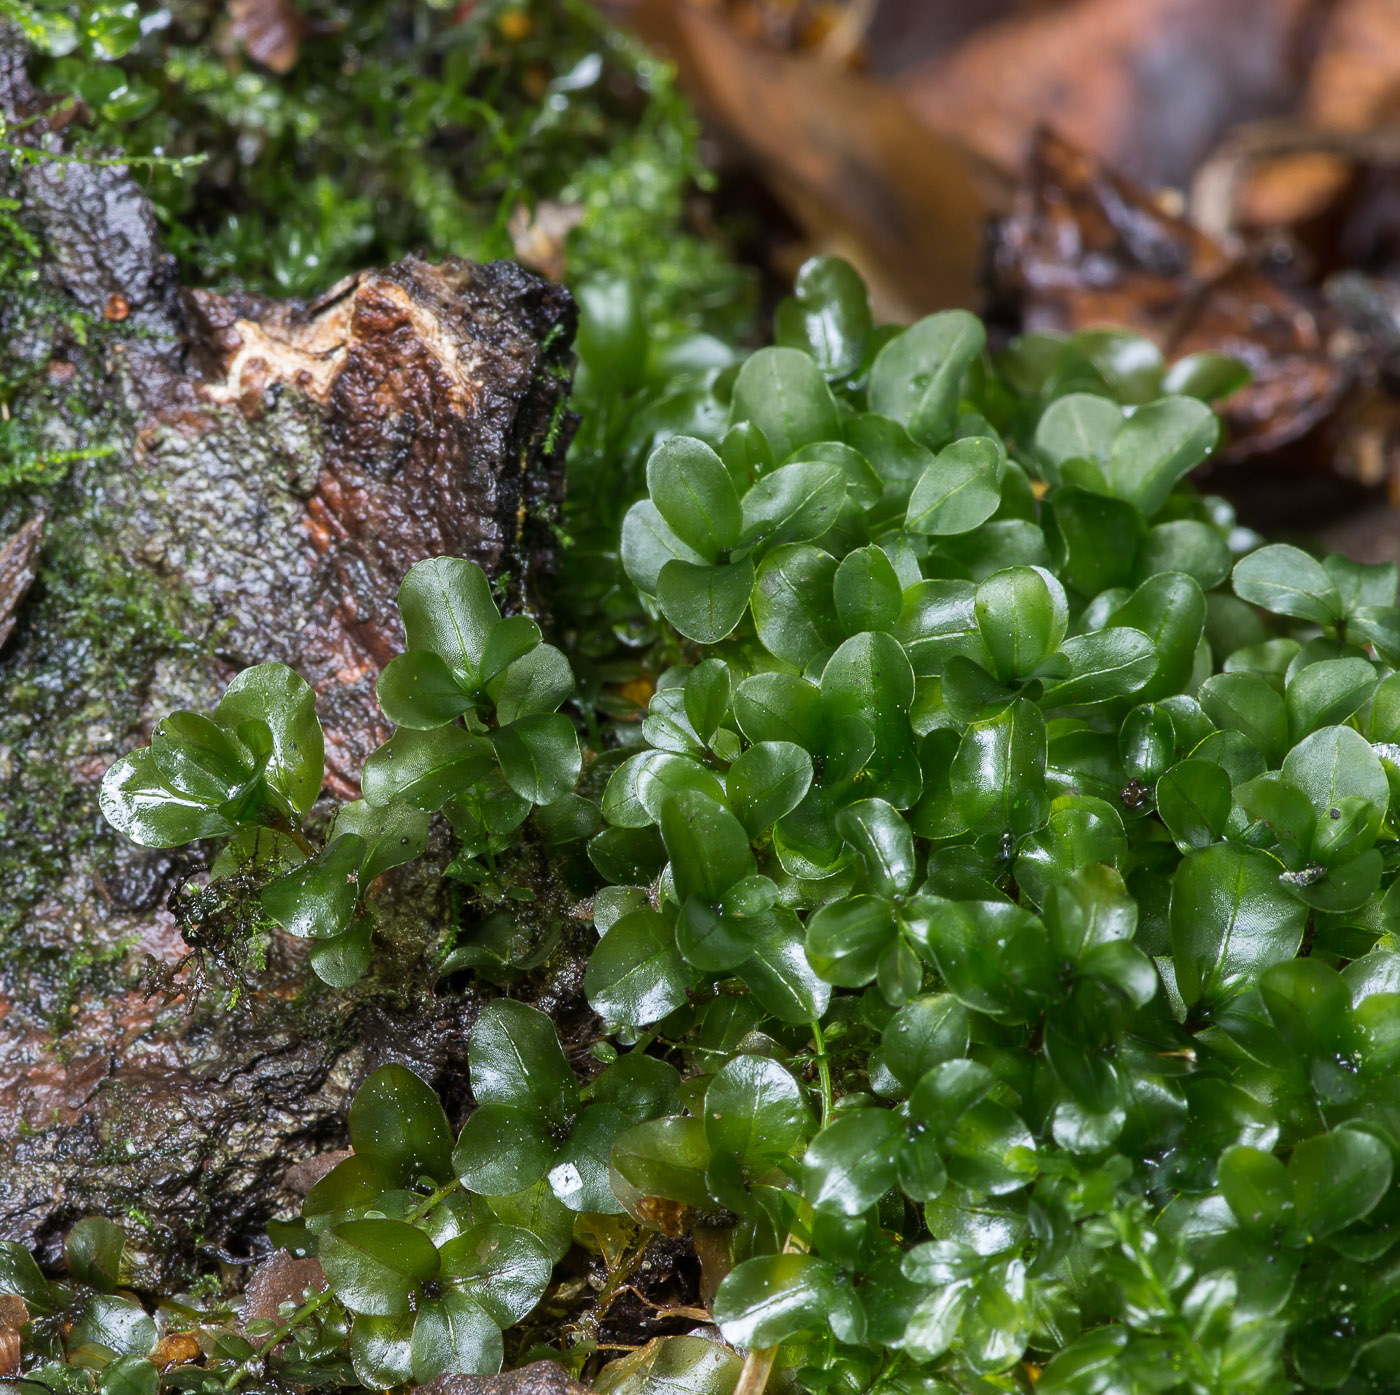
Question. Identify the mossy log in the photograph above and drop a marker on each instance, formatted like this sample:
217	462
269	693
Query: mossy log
254	479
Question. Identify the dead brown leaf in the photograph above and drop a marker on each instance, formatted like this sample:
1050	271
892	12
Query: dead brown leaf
859	173
1087	248
1148	85
269	31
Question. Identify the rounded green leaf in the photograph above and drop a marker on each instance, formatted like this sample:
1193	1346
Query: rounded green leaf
661	1159
539	756
884	841
1325	694
695	496
515	1058
916	377
373	1266
92	1251
1194	800
705	603
137	802
1105	664
767	781
764	1301
648	544
922	1034
960	489
447	609
1093	538
1336	763
1248	704
1338	1178
393	834
867	591
317	898
755	1112
537	683
998	774
425	768
1257	1187
1287	581
1188	546
453	1336
503	1268
793	609
635	974
1157	446
397	1121
1022	616
1077	426
707	845
1230	919
1209	376
827	317
504	1148
784	394
1170	610
381	1350
846	938
281	697
795	503
778	972
990	1150
708	690
201	758
853	1161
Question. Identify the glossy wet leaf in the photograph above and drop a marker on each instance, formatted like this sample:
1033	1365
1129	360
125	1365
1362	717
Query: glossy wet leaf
452	1335
827	317
516	1059
448	609
285	701
915	378
419	691
397	1121
795	503
1156	446
136	801
1230	919
785	395
1287	581
852	1162
1193	800
381	1350
502	1268
767	781
635	975
373	1266
793	609
1338	1178
1022	616
959	490
708	690
998	773
695	496
425	768
1107	664
705	603
539	756
316	899
755	1112
92	1250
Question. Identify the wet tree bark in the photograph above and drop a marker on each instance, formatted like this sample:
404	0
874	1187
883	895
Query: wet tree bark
269	471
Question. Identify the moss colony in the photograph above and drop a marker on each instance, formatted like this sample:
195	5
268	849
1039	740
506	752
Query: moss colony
990	851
